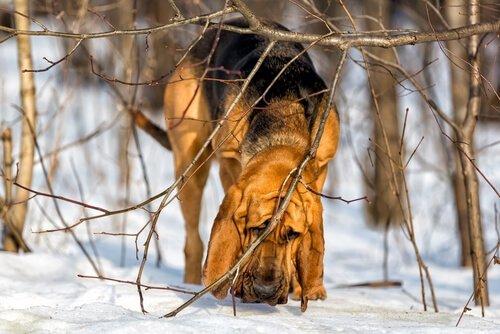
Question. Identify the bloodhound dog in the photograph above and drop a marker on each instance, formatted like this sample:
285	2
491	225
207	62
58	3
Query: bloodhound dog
257	147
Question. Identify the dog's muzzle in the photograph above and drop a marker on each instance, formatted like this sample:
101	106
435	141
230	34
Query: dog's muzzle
270	289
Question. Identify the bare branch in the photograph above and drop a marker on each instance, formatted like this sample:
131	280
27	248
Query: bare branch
348	201
342	40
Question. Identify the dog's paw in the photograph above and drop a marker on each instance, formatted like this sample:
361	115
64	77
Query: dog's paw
318	292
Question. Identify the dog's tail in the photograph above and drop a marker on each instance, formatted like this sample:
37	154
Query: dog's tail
151	129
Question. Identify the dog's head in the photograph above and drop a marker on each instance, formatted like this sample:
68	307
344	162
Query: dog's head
293	249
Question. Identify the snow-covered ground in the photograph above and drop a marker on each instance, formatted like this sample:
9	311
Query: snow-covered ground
40	292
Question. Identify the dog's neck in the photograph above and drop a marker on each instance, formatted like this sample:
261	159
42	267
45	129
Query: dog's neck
281	123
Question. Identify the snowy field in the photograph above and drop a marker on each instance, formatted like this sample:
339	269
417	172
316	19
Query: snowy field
41	293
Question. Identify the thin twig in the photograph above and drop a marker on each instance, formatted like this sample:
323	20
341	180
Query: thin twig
348	201
146	286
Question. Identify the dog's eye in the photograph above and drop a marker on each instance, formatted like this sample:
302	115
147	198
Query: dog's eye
260	228
291	234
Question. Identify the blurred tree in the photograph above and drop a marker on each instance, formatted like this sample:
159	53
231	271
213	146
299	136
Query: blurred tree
160	56
490	54
385	208
456	14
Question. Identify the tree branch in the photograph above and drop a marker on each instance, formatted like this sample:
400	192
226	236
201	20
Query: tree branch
341	40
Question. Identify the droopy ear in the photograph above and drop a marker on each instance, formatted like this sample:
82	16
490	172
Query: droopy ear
225	244
310	259
331	134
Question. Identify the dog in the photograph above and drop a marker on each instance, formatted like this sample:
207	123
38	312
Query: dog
257	147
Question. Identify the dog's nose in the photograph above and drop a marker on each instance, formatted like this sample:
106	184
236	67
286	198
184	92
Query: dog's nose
265	291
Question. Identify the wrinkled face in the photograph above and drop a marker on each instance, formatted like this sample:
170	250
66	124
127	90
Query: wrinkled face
244	214
267	275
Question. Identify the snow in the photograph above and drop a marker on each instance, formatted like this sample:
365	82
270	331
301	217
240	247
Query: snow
40	292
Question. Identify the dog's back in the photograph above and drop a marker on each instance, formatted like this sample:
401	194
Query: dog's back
235	56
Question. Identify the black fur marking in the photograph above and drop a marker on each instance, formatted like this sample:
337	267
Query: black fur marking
239	53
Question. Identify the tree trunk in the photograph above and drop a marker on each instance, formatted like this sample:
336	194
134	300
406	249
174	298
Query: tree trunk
465	137
27	148
455	14
385	207
160	57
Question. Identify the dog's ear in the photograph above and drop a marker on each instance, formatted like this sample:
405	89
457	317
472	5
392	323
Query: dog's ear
225	244
331	134
310	258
